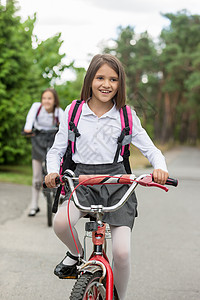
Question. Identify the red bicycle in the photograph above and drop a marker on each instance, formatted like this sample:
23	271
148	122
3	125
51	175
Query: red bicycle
95	280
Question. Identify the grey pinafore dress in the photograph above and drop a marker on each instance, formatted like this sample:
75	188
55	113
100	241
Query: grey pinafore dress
108	195
41	142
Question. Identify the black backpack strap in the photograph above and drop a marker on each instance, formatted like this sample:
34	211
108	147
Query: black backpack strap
126	161
39	109
73	130
121	138
126	149
68	163
119	145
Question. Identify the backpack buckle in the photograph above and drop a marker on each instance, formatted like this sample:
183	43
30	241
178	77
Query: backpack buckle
74	128
127	129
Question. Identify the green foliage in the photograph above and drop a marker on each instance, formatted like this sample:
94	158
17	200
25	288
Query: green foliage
70	90
15	61
180	60
25	72
163	79
48	61
139	57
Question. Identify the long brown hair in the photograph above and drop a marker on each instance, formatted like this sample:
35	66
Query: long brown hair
96	63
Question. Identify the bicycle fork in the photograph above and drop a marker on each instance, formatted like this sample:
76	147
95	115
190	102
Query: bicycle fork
98	260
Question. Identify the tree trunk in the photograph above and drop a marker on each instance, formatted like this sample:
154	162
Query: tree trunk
184	127
167	119
192	131
158	116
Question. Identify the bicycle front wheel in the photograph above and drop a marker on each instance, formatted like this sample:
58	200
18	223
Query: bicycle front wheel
88	287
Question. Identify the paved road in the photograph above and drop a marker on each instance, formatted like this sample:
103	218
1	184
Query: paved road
165	243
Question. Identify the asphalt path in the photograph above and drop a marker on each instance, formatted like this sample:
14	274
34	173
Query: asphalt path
165	241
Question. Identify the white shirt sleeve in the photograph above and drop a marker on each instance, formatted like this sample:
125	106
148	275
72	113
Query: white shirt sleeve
30	119
61	114
142	141
60	144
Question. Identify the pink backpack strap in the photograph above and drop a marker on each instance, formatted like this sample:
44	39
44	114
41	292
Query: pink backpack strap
73	118
70	112
39	109
127	125
56	117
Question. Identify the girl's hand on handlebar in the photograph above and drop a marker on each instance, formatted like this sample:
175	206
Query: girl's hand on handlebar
50	180
28	133
160	176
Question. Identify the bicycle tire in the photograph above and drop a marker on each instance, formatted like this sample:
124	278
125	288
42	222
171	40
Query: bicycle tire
49	198
86	287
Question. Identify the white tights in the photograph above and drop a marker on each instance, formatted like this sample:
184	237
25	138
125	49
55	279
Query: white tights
36	182
121	245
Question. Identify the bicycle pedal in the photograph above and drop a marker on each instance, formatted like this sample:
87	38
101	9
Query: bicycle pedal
69	277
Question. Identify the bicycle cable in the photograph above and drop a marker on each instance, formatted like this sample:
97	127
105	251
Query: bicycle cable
81	183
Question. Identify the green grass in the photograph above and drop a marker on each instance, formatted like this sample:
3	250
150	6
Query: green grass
16	174
138	161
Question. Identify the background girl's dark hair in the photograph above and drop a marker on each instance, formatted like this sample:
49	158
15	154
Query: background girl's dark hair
97	61
56	99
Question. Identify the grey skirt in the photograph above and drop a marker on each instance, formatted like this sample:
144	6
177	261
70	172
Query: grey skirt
108	195
41	143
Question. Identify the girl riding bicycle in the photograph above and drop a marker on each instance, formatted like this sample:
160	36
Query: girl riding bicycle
44	115
99	127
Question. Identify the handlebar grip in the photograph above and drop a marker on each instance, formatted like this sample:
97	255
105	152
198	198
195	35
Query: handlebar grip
172	181
44	185
27	134
57	180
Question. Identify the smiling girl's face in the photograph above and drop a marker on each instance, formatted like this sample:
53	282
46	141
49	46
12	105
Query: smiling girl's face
104	85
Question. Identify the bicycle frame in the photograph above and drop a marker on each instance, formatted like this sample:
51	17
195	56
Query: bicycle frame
98	259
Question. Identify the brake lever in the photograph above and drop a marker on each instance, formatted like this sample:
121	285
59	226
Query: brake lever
147	181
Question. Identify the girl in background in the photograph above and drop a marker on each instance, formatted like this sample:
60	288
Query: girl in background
44	115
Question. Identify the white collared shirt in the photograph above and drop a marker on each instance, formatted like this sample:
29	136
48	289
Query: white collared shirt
44	120
97	143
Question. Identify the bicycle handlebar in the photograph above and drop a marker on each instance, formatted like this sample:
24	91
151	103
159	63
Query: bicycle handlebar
132	180
37	131
122	179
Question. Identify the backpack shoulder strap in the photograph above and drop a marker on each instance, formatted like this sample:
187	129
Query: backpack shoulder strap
73	118
124	140
127	124
39	109
56	117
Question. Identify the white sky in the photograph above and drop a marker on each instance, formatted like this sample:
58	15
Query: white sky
85	24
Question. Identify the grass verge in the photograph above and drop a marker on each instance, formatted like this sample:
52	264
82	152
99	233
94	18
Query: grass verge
139	161
16	174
